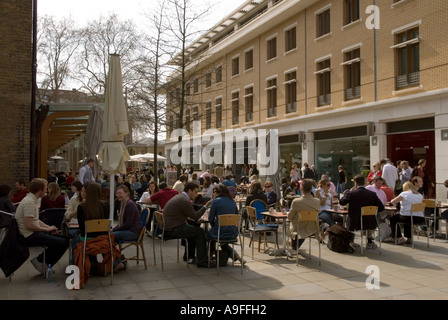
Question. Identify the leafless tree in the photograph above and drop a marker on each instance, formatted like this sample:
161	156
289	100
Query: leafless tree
57	45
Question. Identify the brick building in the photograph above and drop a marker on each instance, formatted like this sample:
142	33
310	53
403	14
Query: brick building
15	89
339	90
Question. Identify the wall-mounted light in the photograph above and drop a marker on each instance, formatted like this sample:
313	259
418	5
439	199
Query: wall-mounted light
374	141
444	135
304	146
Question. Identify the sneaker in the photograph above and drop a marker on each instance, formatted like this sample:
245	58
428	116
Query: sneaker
402	241
371	245
38	265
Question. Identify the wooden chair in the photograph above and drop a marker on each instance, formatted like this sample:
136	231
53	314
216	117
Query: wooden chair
99	225
227	220
144	217
313	217
161	223
365	212
416	207
257	227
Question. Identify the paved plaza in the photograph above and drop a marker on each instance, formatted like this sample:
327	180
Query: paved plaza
405	274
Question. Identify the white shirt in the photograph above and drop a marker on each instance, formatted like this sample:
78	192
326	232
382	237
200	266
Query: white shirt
390	175
328	200
410	198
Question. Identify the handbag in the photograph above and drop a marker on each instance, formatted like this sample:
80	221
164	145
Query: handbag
398	185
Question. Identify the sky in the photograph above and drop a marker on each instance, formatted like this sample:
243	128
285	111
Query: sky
85	10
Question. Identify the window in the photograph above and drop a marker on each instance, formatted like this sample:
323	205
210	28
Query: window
188	89
249	59
352	74
196	113
291	91
351	11
235	107
323	23
218	114
235	66
208	79
219	74
187	120
208	115
249	102
272	48
272	97
196	85
324	82
407	58
290	39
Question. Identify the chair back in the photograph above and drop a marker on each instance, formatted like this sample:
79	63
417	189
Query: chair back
144	217
418	207
159	218
252	214
55	217
225	220
98	225
309	216
260	206
429	203
369	210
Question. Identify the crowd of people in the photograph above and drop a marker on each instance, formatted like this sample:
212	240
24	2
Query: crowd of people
183	207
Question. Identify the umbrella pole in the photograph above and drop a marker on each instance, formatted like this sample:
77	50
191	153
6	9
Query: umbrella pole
112	199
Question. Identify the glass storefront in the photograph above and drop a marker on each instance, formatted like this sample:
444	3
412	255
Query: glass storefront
352	153
290	154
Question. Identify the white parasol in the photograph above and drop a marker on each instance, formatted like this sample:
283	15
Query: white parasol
113	152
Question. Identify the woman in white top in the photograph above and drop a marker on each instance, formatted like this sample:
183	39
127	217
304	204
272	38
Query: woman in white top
326	202
409	196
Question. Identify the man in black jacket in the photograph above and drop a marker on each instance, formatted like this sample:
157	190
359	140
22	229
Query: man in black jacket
357	198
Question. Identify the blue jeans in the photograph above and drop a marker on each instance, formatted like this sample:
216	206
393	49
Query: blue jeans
125	235
341	188
326	217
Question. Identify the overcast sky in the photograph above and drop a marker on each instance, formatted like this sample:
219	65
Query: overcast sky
85	10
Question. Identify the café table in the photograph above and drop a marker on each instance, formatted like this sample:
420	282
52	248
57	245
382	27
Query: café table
278	215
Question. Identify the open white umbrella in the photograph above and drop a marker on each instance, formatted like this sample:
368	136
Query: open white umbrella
113	152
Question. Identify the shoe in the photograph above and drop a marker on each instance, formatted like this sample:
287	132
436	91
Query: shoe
402	241
191	261
119	267
389	239
210	264
354	245
38	265
409	241
371	245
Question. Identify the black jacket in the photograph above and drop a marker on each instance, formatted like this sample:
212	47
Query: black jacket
13	250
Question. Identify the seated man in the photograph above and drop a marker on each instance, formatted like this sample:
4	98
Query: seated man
357	198
21	192
176	213
36	232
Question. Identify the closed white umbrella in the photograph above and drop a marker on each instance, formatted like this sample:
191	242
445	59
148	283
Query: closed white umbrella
113	152
92	139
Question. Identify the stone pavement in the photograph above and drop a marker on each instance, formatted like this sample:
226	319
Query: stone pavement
404	273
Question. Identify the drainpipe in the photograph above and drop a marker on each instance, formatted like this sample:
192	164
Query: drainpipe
376	58
32	171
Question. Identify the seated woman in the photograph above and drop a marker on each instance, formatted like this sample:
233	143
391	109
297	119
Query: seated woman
207	189
223	203
375	172
54	199
326	202
270	194
409	196
72	209
129	224
292	190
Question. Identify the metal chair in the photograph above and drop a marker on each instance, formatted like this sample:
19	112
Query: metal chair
431	204
416	207
366	212
227	220
257	227
161	223
144	217
99	225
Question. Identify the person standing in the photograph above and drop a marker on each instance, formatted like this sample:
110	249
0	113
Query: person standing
420	171
86	173
342	180
35	231
356	199
390	173
294	174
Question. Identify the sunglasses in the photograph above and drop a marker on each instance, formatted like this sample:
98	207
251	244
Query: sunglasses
268	186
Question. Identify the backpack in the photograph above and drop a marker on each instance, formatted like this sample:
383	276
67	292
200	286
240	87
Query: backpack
339	239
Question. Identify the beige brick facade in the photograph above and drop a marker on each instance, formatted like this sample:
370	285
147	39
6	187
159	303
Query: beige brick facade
15	89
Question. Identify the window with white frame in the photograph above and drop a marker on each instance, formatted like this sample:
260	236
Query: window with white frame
407	53
208	115
323	23
352	74
249	57
235	66
235	107
271	91
291	91
249	103
271	48
290	39
323	75
218	112
351	11
208	79
218	74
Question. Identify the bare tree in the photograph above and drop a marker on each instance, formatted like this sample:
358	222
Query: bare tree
57	44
